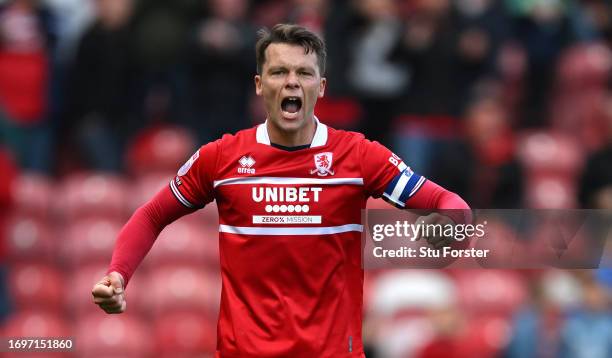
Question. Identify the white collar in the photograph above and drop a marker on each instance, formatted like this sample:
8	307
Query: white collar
319	139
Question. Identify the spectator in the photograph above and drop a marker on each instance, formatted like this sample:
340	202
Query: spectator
446	52
222	69
449	49
373	73
72	18
490	174
9	172
595	190
99	104
600	14
544	29
588	331
266	13
161	31
310	14
483	27
25	44
537	326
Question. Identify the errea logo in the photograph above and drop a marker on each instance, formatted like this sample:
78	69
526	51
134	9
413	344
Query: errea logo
246	165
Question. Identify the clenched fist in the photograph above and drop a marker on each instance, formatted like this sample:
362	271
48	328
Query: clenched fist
435	239
108	293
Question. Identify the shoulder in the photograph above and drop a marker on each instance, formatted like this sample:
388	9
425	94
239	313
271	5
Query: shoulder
211	155
345	137
354	141
345	134
240	138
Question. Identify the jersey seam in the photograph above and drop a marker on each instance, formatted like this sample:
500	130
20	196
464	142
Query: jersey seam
365	187
215	174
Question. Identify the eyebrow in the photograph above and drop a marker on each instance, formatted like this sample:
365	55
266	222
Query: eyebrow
299	68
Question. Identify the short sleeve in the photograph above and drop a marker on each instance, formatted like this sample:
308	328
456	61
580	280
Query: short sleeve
385	174
193	184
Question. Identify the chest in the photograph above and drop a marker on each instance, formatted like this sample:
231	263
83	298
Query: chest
309	187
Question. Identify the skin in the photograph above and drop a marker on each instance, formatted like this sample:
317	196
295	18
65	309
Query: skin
436	242
289	71
109	294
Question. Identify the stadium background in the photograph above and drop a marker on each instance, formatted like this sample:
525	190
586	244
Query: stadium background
508	103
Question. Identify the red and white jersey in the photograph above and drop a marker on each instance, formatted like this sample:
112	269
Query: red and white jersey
289	236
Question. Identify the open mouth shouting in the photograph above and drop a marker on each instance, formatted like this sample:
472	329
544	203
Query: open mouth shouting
291	106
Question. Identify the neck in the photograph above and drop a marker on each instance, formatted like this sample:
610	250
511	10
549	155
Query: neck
301	136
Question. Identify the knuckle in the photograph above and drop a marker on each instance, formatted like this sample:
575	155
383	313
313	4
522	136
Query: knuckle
112	303
104	301
108	305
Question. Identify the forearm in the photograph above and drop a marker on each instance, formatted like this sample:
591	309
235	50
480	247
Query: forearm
139	233
432	196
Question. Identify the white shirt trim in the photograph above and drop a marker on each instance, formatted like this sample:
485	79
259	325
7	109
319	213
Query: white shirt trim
320	136
289	181
319	139
180	196
262	134
291	231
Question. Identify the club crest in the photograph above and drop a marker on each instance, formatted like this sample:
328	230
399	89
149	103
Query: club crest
323	164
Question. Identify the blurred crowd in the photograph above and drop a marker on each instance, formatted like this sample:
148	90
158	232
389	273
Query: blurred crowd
506	102
449	85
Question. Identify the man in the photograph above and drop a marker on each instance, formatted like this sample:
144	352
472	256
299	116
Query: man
289	194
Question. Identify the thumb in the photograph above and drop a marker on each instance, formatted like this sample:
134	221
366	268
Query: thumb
116	282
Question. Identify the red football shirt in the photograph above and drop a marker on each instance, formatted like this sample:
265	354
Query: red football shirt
289	236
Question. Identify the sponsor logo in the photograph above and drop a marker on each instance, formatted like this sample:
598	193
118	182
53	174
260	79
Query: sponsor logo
295	219
246	165
178	181
286	194
286	200
185	168
323	164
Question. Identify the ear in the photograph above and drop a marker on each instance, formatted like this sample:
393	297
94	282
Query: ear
322	85
258	89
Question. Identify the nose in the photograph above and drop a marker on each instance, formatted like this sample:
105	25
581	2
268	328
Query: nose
292	81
